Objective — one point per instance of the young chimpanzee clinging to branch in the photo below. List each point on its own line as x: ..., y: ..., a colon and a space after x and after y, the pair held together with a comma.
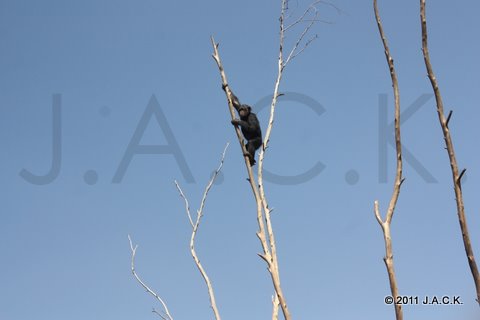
x: 250, y: 126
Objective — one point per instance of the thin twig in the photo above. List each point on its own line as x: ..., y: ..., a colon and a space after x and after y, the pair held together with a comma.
x: 195, y: 227
x: 294, y: 52
x: 388, y: 259
x: 456, y: 176
x: 448, y: 117
x: 459, y: 180
x: 302, y: 18
x: 167, y: 315
x: 155, y: 311
x: 187, y: 206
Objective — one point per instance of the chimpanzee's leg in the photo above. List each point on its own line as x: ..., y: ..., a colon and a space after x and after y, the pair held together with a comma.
x: 252, y: 146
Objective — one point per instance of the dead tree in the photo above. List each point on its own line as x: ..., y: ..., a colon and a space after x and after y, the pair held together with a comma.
x: 456, y: 174
x: 385, y: 224
x: 265, y: 232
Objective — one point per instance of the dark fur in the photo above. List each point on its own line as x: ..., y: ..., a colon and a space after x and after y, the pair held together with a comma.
x: 250, y: 126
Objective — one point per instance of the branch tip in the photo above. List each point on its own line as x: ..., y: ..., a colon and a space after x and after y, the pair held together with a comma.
x: 459, y: 180
x: 264, y: 258
x: 448, y: 118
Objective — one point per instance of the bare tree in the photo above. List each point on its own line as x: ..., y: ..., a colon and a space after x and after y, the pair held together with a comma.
x: 195, y: 223
x: 388, y: 259
x: 456, y: 174
x: 265, y: 233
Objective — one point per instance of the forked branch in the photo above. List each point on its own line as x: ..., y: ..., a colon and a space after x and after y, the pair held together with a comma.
x: 456, y: 175
x: 265, y: 232
x: 266, y: 255
x: 385, y: 225
x: 165, y: 313
x: 196, y: 225
x: 296, y: 50
x: 273, y: 266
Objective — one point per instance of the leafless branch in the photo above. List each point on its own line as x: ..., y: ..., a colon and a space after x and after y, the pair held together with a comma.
x: 195, y: 227
x: 273, y: 267
x: 303, y: 17
x: 295, y: 51
x: 456, y: 176
x: 448, y: 117
x: 166, y: 312
x: 187, y: 206
x: 261, y: 234
x: 388, y: 259
x: 216, y: 57
x: 265, y: 232
x: 155, y: 311
x: 309, y: 16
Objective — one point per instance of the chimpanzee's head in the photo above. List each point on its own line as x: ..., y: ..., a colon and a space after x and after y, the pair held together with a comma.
x: 244, y: 110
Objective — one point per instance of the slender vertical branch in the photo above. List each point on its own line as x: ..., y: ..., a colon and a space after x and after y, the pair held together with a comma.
x: 251, y: 179
x: 456, y: 176
x: 388, y: 259
x: 165, y: 315
x: 265, y: 232
x: 195, y: 227
x: 273, y: 262
x: 281, y: 65
x: 216, y: 57
x: 266, y: 255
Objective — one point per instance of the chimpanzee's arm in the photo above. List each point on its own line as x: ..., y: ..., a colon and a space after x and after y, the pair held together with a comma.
x: 243, y: 124
x: 251, y: 127
x: 236, y: 103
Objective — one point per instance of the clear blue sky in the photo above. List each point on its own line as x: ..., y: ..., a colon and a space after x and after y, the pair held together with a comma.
x: 64, y: 246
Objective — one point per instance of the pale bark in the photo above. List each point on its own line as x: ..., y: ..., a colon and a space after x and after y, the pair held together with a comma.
x: 388, y: 259
x: 195, y: 223
x: 456, y: 174
x: 266, y: 233
x: 165, y: 313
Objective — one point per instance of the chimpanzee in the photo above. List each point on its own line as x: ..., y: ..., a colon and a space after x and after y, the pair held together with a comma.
x: 250, y: 127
